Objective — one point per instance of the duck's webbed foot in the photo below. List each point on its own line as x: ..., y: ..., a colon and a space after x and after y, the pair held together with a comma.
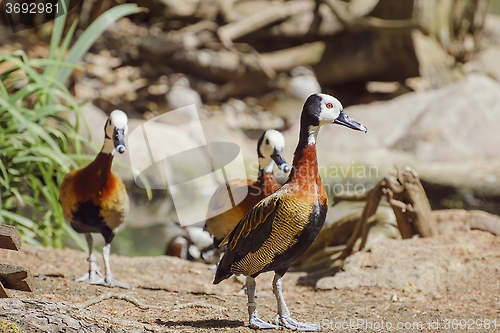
x: 283, y: 318
x: 110, y: 281
x: 256, y: 322
x: 294, y: 325
x: 92, y: 277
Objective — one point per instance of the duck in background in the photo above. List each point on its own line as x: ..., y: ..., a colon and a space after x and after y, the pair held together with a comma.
x: 223, y: 216
x: 190, y: 243
x: 281, y: 227
x: 94, y: 199
x: 181, y: 94
x: 291, y: 91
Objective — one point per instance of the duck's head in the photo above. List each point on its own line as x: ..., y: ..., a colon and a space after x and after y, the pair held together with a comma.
x: 115, y: 129
x: 320, y: 109
x: 270, y: 148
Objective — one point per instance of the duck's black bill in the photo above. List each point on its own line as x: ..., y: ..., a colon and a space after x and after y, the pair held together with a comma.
x: 344, y: 120
x: 277, y: 157
x: 119, y: 140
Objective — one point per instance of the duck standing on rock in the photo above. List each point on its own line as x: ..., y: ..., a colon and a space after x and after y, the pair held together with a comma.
x: 222, y: 216
x: 281, y: 227
x: 94, y: 199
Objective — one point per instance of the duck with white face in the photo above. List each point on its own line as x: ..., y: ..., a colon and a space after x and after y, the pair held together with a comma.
x: 94, y: 199
x: 115, y: 130
x: 280, y: 228
x: 270, y: 149
x: 328, y: 110
x: 222, y: 217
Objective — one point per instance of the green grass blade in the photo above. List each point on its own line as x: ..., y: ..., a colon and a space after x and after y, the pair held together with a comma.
x: 18, y: 197
x: 57, y: 62
x: 30, y: 158
x: 3, y: 90
x: 52, y: 70
x: 18, y: 218
x: 39, y: 131
x: 24, y: 92
x: 57, y: 31
x: 20, y: 59
x: 5, y: 175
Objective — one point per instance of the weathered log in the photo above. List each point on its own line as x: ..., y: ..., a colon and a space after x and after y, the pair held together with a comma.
x: 3, y: 293
x: 409, y: 202
x: 33, y: 315
x: 38, y: 316
x: 229, y: 32
x: 303, y: 55
x: 9, y: 238
x: 355, y: 23
x: 343, y: 41
x: 12, y: 277
x: 15, y: 277
x: 330, y: 238
x: 410, y: 205
x: 395, y: 41
x: 372, y: 201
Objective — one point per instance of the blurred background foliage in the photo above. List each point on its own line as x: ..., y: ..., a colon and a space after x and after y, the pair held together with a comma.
x: 495, y: 7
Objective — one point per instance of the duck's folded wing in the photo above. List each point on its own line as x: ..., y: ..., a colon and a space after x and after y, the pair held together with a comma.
x: 255, y: 227
x: 221, y: 201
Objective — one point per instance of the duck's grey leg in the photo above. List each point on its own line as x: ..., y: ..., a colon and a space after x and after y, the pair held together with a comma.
x: 94, y: 275
x: 255, y: 321
x: 283, y: 318
x: 109, y: 280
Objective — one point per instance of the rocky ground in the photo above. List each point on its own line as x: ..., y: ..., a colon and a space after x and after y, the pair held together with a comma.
x: 443, y: 284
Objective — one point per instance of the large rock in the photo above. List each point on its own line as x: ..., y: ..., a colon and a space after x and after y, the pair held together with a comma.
x: 426, y: 264
x: 452, y: 124
x: 458, y: 123
x: 486, y: 61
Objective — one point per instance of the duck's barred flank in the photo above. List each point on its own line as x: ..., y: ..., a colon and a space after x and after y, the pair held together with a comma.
x: 289, y: 220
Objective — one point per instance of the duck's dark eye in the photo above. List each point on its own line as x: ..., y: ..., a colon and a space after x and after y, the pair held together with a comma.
x: 329, y: 105
x: 267, y: 141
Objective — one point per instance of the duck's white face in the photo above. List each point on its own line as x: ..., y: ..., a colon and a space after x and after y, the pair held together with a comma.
x: 272, y: 140
x: 116, y: 129
x: 117, y: 119
x: 331, y: 111
x: 272, y: 146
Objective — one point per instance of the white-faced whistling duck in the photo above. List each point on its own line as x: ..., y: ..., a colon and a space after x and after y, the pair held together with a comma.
x: 94, y: 199
x: 282, y: 226
x: 223, y: 217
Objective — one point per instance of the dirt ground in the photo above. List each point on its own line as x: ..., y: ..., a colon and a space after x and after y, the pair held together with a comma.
x: 173, y: 295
